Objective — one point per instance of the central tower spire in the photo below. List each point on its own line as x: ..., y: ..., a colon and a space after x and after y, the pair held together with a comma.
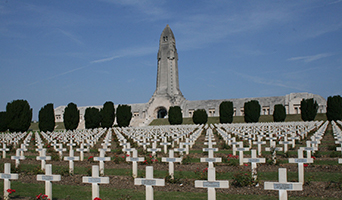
x: 167, y: 75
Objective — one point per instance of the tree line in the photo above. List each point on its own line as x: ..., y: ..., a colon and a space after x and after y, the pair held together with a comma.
x: 18, y: 114
x: 308, y: 107
x: 18, y: 117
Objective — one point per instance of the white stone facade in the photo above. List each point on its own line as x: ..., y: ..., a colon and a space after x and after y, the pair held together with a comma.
x: 168, y: 94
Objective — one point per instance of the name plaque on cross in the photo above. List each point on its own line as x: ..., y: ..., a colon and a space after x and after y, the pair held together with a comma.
x: 301, y: 160
x: 134, y: 159
x: 5, y: 176
x: 46, y: 178
x: 210, y: 149
x: 282, y: 186
x: 211, y: 184
x: 170, y: 160
x: 254, y: 160
x: 94, y: 180
x: 148, y: 182
x: 101, y: 159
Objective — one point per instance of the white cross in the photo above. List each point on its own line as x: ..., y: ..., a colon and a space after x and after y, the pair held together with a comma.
x: 171, y: 159
x: 149, y: 181
x: 187, y: 144
x: 71, y: 144
x: 285, y: 143
x: 211, y: 184
x: 101, y: 159
x: 274, y: 150
x: 128, y: 149
x: 71, y: 158
x: 259, y: 143
x: 17, y: 158
x: 60, y: 151
x: 154, y: 149
x: 241, y: 149
x: 82, y: 150
x: 165, y: 144
x: 22, y: 149
x: 180, y: 149
x: 144, y: 143
x: 254, y: 161
x: 134, y: 159
x: 7, y: 176
x: 95, y: 179
x: 300, y: 160
x: 48, y: 177
x: 42, y: 157
x: 4, y: 149
x: 308, y: 149
x: 283, y: 186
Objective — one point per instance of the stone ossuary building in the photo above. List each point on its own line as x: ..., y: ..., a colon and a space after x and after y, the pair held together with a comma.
x: 168, y: 93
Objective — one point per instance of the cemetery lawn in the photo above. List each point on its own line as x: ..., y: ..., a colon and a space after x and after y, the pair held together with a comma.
x: 323, y: 178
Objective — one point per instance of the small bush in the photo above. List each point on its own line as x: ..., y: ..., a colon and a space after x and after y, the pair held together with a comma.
x: 186, y: 160
x: 243, y: 179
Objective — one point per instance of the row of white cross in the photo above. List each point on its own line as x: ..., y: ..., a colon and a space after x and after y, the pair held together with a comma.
x: 211, y: 183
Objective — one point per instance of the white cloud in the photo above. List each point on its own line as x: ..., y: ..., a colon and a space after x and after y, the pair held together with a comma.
x: 310, y: 58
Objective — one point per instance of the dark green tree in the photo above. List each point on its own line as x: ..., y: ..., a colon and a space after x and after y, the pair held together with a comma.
x: 334, y: 108
x: 226, y: 112
x: 252, y: 111
x: 123, y: 115
x: 71, y: 116
x: 3, y: 124
x: 46, y: 117
x: 175, y: 115
x: 92, y: 118
x: 308, y: 109
x: 200, y: 116
x: 18, y: 116
x: 279, y: 113
x: 107, y: 115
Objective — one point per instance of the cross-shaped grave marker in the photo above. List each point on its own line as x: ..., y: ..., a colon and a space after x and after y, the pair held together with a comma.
x: 285, y: 143
x: 273, y: 149
x: 43, y: 158
x: 128, y: 149
x: 254, y: 161
x: 71, y: 158
x: 48, y: 177
x: 95, y: 180
x: 211, y: 159
x: 60, y: 151
x: 4, y: 149
x: 22, y: 149
x: 101, y: 159
x: 171, y: 159
x: 308, y: 149
x: 283, y: 186
x: 211, y: 184
x: 259, y: 143
x: 300, y: 160
x: 17, y: 158
x: 7, y: 176
x: 134, y: 159
x: 71, y: 144
x: 180, y: 149
x: 165, y: 144
x: 154, y: 149
x: 241, y: 149
x: 82, y: 150
x: 149, y: 181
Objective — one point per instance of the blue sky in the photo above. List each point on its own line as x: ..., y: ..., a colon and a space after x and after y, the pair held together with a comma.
x: 92, y: 51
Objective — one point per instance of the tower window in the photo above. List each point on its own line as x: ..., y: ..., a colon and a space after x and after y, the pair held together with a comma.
x: 165, y: 38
